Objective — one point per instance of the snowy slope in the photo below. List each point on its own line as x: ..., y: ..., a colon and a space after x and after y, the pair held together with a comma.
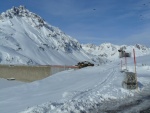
x: 110, y: 51
x: 75, y: 91
x: 25, y: 38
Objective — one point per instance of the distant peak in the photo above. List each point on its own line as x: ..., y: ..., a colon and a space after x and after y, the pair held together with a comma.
x: 21, y: 11
x: 139, y: 46
x: 107, y: 45
x: 16, y: 11
x: 21, y: 7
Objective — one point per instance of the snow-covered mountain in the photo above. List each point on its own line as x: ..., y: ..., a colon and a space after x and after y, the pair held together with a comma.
x: 110, y: 51
x: 25, y: 38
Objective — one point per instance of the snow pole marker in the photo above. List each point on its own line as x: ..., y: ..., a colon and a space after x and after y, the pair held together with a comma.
x: 121, y: 65
x: 125, y: 60
x: 134, y: 60
x: 135, y: 68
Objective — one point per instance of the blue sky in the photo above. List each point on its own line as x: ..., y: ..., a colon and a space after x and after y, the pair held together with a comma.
x: 94, y: 21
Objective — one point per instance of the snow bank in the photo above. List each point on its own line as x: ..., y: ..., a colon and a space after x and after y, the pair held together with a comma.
x: 73, y: 91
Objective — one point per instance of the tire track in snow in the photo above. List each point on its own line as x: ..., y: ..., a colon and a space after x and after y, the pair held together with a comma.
x: 139, y: 103
x: 107, y: 80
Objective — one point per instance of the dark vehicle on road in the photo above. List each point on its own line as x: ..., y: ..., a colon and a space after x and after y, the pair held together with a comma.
x: 84, y: 64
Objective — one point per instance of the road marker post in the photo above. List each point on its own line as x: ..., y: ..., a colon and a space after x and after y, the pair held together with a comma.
x: 135, y: 68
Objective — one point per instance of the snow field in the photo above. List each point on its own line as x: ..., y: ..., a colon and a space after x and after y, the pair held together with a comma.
x: 72, y: 91
x: 28, y: 39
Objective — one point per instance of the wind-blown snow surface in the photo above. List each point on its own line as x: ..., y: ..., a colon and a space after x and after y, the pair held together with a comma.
x: 75, y: 91
x: 25, y: 38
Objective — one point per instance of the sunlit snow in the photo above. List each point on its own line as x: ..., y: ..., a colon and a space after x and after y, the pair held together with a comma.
x: 74, y: 90
x: 25, y: 38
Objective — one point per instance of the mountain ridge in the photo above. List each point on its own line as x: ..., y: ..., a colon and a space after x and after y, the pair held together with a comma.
x: 27, y: 39
x: 28, y: 35
x: 110, y: 51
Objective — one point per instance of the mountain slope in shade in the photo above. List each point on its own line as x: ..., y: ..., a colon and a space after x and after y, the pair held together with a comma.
x: 110, y: 51
x: 25, y: 38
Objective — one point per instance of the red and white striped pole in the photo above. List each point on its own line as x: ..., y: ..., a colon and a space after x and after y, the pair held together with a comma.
x: 135, y: 68
x: 134, y: 60
x: 125, y: 60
